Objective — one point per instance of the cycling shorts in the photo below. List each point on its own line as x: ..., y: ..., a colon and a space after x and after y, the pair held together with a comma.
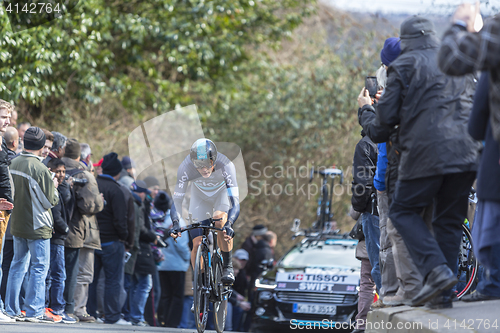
x: 200, y: 204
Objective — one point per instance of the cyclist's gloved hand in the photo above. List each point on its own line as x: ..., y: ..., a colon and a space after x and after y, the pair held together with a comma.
x: 228, y: 229
x: 176, y: 229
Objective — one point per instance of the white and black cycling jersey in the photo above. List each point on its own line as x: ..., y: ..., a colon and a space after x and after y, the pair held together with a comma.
x: 223, y: 178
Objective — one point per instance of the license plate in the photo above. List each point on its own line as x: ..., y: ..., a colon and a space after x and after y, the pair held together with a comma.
x: 314, y: 308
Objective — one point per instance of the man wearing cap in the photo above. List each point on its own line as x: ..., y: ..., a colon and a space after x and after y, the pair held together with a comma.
x: 31, y: 226
x: 240, y: 282
x: 438, y: 160
x: 98, y: 167
x: 83, y: 235
x: 113, y: 231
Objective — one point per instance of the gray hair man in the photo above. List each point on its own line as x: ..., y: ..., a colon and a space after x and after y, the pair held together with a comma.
x: 85, y: 155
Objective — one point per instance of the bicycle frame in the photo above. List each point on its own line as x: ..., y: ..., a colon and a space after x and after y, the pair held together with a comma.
x: 208, y: 273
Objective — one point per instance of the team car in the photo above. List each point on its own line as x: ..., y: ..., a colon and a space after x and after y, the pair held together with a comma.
x: 314, y: 286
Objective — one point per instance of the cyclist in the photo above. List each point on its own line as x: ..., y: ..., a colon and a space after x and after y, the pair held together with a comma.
x: 214, y: 190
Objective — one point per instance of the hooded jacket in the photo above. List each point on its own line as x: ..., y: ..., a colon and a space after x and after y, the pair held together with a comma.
x: 430, y: 108
x: 35, y: 195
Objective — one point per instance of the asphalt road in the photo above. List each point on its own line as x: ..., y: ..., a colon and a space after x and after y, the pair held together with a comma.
x: 21, y: 327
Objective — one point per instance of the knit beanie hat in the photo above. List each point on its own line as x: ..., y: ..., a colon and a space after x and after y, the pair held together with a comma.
x: 127, y: 163
x: 391, y: 50
x: 111, y: 165
x: 34, y: 138
x: 259, y: 230
x: 162, y: 201
x: 72, y: 149
x: 151, y: 181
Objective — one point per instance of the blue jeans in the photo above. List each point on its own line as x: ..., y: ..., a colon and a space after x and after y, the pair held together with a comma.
x: 187, y: 320
x: 111, y: 260
x: 127, y: 285
x: 141, y: 286
x: 34, y: 254
x: 57, y: 278
x: 372, y: 236
x: 489, y: 280
x: 237, y: 318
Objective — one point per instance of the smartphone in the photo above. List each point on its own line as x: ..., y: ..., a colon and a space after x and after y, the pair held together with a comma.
x: 127, y: 256
x: 53, y: 174
x: 371, y: 85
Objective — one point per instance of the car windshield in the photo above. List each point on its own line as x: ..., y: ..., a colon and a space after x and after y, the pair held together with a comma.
x: 321, y: 255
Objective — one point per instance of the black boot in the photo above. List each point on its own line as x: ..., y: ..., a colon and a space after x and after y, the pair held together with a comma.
x: 227, y: 273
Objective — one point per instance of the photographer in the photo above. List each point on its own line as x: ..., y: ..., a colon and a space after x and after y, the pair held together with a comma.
x: 83, y: 235
x: 401, y: 280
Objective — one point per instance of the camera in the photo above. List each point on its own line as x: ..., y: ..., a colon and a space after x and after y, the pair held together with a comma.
x: 77, y: 181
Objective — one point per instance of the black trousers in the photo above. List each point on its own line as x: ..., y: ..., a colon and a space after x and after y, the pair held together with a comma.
x: 450, y: 194
x: 8, y: 254
x: 71, y: 256
x: 172, y: 298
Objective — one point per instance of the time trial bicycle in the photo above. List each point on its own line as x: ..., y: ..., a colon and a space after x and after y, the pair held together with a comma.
x: 207, y: 284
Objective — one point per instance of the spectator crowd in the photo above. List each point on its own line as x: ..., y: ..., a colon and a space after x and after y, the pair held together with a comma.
x: 429, y: 132
x: 84, y: 241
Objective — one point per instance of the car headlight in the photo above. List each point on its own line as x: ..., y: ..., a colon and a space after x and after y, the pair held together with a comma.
x: 260, y: 311
x: 262, y: 285
x: 265, y: 296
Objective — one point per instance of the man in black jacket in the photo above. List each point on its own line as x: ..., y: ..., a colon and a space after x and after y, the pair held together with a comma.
x: 5, y: 188
x: 113, y: 231
x: 56, y: 279
x: 438, y: 157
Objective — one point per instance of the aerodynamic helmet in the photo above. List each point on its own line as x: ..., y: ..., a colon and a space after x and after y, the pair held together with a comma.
x: 203, y: 153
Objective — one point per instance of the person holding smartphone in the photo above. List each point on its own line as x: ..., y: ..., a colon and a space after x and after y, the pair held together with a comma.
x: 438, y: 160
x: 398, y: 286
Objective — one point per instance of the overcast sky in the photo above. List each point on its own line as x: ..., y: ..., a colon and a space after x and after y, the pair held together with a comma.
x: 446, y: 7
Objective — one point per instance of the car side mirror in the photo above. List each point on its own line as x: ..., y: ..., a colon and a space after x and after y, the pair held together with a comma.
x: 267, y: 264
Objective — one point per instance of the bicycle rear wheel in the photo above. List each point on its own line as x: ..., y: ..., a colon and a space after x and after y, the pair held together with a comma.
x: 220, y: 306
x: 467, y: 264
x: 200, y: 288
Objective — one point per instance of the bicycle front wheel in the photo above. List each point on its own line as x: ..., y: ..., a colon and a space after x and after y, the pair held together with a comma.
x: 200, y: 288
x: 467, y: 264
x: 220, y: 305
